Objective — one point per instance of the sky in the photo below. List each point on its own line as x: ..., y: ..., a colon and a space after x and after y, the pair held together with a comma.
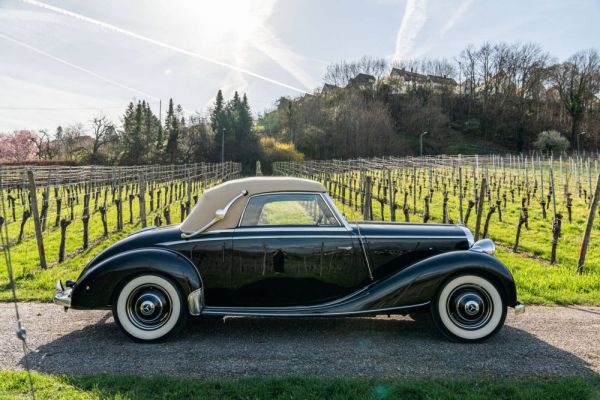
x: 66, y: 61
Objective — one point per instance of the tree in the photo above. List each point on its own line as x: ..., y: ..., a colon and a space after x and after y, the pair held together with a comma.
x: 577, y: 81
x: 551, y: 142
x: 18, y: 146
x: 217, y: 123
x: 103, y: 132
x: 172, y: 126
x: 340, y: 73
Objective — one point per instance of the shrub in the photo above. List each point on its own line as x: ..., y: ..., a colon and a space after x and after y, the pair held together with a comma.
x: 274, y: 150
x: 551, y: 142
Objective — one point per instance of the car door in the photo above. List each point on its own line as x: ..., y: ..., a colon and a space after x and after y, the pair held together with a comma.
x: 291, y: 250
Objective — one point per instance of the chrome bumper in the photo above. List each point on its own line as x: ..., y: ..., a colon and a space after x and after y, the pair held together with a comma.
x: 62, y: 297
x: 519, y: 308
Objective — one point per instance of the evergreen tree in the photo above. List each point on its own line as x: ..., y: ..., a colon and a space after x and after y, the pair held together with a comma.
x: 218, y: 123
x: 172, y: 133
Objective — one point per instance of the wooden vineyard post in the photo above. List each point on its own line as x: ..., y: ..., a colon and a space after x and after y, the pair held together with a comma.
x: 414, y: 189
x: 588, y: 227
x: 64, y: 223
x: 392, y: 197
x: 460, y: 193
x: 36, y: 220
x: 480, y: 207
x: 142, y: 198
x: 367, y: 215
x: 556, y: 221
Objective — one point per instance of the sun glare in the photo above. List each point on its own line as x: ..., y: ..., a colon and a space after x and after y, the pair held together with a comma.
x: 235, y: 21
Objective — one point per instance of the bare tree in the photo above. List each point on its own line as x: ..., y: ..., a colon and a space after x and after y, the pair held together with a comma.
x: 104, y: 132
x: 340, y: 73
x: 577, y: 81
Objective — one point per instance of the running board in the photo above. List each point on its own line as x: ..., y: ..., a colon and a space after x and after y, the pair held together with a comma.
x: 302, y: 311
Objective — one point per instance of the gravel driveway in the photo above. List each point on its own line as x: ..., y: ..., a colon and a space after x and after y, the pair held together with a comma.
x: 543, y: 341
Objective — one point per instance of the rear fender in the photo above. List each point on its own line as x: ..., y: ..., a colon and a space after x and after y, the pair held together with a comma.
x: 95, y: 288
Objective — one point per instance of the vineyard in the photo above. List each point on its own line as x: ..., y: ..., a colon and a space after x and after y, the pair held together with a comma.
x: 55, y: 219
x: 535, y: 209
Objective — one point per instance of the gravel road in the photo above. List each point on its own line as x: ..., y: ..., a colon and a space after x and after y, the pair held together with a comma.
x: 543, y: 341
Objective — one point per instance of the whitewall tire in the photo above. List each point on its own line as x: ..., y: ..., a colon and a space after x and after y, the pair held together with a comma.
x: 469, y: 308
x: 149, y: 308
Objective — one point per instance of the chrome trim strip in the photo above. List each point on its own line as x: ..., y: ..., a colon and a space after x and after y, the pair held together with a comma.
x: 300, y: 236
x: 364, y: 249
x: 412, y: 237
x: 290, y: 237
x: 195, y: 302
x: 276, y: 313
x: 287, y: 228
x: 336, y: 211
x: 288, y: 192
x: 219, y: 215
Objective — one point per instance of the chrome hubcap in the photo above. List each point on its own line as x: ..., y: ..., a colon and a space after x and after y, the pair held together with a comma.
x: 149, y: 307
x: 469, y: 306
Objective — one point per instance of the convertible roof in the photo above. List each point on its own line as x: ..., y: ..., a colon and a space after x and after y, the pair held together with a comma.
x: 218, y: 197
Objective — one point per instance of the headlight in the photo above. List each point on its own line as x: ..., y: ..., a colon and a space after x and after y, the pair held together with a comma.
x: 484, y: 246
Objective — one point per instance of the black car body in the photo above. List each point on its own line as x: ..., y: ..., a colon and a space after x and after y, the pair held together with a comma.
x: 236, y: 264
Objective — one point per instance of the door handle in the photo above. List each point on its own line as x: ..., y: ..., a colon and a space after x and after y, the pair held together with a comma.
x: 347, y: 248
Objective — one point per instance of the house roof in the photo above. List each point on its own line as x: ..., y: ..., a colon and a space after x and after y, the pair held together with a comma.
x: 409, y: 76
x: 442, y: 80
x: 362, y: 79
x: 328, y: 86
x: 219, y: 196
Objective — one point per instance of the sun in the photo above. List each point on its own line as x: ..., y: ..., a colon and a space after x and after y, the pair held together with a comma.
x: 233, y: 21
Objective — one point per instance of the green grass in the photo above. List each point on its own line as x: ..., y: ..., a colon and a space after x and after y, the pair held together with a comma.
x: 538, y: 282
x: 15, y: 385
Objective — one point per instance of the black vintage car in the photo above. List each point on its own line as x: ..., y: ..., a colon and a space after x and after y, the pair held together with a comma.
x: 280, y: 247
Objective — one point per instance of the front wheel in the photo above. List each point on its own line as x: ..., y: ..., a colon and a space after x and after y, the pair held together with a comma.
x: 149, y: 308
x: 469, y: 308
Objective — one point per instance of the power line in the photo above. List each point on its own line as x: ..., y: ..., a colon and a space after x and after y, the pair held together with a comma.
x: 62, y: 108
x: 160, y: 44
x: 77, y: 67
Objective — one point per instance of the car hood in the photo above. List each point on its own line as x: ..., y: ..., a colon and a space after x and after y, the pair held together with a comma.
x: 412, y: 230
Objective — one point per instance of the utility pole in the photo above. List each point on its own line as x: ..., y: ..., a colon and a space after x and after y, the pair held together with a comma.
x: 223, y: 145
x: 579, y: 134
x: 422, y: 134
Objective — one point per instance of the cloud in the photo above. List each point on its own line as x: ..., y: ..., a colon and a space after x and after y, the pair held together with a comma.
x: 413, y: 20
x: 456, y: 15
x: 159, y: 43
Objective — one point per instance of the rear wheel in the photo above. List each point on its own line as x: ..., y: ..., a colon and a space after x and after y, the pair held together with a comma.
x: 149, y: 308
x: 469, y: 308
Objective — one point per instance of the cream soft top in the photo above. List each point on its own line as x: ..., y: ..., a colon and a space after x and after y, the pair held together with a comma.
x: 218, y: 197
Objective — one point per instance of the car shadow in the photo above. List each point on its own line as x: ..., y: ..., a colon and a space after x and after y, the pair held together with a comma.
x: 324, y: 347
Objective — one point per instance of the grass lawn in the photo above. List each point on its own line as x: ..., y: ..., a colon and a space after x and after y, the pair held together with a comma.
x: 538, y: 282
x: 16, y: 385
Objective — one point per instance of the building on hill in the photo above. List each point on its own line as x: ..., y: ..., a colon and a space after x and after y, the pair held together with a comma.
x: 444, y: 82
x: 328, y: 88
x: 362, y: 81
x: 405, y: 80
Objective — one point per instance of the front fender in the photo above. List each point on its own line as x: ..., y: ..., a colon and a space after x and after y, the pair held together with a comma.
x: 420, y: 282
x: 95, y: 288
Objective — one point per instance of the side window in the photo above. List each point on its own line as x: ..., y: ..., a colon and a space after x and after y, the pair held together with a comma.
x: 288, y: 209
